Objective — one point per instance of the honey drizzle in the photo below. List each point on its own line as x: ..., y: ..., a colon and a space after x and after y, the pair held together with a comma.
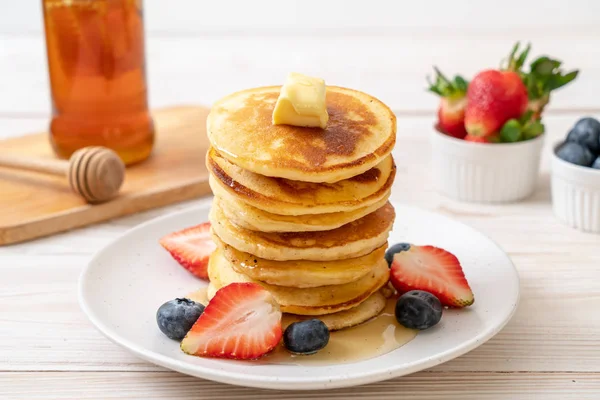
x: 378, y: 336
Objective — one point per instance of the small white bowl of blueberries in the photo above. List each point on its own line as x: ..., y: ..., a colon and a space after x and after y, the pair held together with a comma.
x: 576, y: 177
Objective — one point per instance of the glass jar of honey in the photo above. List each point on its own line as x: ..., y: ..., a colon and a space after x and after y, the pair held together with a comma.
x: 96, y: 63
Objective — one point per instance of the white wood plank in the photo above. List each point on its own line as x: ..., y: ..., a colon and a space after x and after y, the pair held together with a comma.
x: 393, y: 68
x: 15, y: 126
x: 333, y: 16
x: 422, y: 386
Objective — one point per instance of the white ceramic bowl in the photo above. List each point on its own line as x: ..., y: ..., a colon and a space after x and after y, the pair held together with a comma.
x: 576, y: 194
x: 482, y: 172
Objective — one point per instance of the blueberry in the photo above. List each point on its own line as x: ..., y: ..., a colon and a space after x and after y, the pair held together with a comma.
x: 306, y: 337
x: 596, y: 163
x: 397, y: 248
x: 575, y: 154
x: 587, y: 133
x: 176, y: 317
x: 418, y: 310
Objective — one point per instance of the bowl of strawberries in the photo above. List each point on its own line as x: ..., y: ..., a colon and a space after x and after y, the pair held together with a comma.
x: 487, y: 142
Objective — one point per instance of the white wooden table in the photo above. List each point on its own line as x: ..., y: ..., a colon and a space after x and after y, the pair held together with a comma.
x: 199, y: 51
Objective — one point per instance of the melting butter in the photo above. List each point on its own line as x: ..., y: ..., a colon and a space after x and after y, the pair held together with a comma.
x: 302, y: 102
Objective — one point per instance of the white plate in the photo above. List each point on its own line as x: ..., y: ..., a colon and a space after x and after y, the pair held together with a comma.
x: 125, y: 283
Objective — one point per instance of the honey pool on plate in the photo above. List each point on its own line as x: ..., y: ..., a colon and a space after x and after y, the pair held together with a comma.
x: 373, y: 338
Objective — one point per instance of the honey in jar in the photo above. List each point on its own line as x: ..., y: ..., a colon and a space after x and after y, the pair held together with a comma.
x: 96, y: 63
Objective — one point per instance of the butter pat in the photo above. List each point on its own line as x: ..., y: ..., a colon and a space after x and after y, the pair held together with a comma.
x: 301, y: 102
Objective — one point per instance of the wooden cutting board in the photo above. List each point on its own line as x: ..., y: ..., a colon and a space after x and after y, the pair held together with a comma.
x: 34, y: 205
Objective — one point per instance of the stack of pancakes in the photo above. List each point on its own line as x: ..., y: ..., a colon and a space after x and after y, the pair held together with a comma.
x: 303, y: 211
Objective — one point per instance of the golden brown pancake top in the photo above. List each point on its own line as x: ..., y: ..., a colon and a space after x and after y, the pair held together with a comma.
x: 314, y: 144
x: 361, y: 130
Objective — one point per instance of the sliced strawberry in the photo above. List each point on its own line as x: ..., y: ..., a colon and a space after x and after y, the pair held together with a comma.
x: 242, y: 322
x: 433, y: 270
x: 191, y: 248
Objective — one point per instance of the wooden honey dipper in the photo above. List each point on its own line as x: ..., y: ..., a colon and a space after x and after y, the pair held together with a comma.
x: 95, y: 173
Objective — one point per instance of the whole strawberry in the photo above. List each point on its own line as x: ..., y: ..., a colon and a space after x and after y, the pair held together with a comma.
x: 494, y: 97
x: 451, y: 112
x: 544, y: 76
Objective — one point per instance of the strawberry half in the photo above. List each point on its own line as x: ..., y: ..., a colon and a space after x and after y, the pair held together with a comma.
x: 242, y: 322
x: 191, y: 248
x: 433, y: 270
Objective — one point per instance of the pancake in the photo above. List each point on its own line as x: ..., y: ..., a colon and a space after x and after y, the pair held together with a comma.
x: 361, y: 132
x: 307, y: 301
x: 355, y: 239
x: 287, y: 197
x: 248, y: 217
x: 301, y: 273
x: 366, y: 310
